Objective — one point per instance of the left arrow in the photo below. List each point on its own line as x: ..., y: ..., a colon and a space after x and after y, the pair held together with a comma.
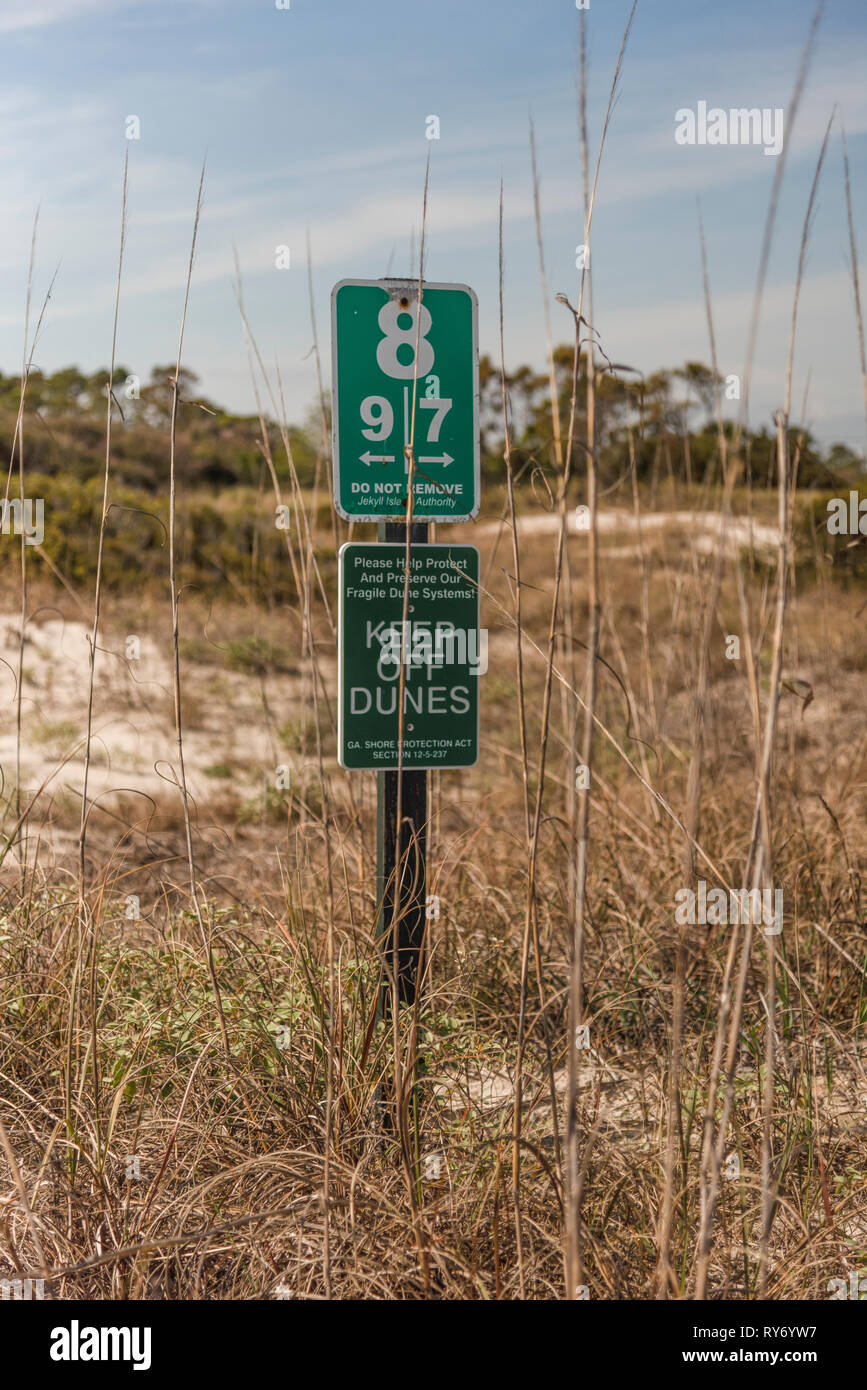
x: 370, y: 458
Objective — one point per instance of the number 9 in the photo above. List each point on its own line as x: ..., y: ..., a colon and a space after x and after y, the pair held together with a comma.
x: 376, y: 411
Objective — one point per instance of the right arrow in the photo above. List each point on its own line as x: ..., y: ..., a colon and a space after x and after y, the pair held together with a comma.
x: 444, y: 459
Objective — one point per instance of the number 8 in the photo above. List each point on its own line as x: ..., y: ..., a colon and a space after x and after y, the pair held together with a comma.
x: 395, y: 337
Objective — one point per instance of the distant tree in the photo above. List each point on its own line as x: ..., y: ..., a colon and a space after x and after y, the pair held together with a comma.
x: 93, y: 389
x: 842, y: 459
x: 220, y: 449
x: 701, y: 383
x: 158, y: 395
x: 64, y: 391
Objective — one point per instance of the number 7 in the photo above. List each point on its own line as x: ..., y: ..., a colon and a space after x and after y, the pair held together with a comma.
x: 442, y: 408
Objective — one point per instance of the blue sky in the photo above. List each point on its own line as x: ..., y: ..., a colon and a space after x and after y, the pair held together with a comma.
x: 313, y: 118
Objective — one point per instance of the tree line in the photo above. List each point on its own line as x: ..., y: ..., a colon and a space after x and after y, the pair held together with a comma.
x: 664, y: 424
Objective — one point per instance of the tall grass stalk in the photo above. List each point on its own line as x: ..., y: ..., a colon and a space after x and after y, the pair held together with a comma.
x: 176, y: 660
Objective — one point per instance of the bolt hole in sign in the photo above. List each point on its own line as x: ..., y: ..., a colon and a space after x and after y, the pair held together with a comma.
x: 389, y: 350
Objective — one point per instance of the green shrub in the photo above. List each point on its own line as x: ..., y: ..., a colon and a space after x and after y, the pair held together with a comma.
x: 844, y: 556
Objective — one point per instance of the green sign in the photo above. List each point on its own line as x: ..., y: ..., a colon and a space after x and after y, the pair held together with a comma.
x: 442, y: 650
x: 376, y: 328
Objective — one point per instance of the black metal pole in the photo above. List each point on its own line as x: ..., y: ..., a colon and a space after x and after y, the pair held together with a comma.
x: 401, y: 868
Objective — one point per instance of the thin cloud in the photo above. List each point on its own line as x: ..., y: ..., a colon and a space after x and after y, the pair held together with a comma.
x: 15, y: 16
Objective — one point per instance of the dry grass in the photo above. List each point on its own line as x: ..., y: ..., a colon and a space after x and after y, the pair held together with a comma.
x: 199, y: 1097
x: 229, y: 1202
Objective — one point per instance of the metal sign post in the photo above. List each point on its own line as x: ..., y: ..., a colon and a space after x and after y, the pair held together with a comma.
x: 408, y: 859
x: 405, y: 374
x: 443, y: 655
